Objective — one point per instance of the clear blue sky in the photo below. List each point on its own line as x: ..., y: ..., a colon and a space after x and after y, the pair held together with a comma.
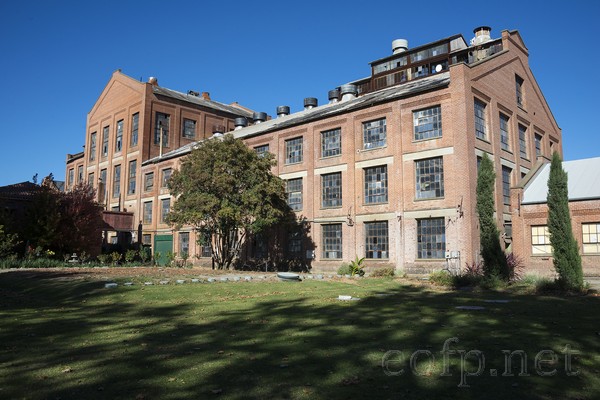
x: 57, y: 56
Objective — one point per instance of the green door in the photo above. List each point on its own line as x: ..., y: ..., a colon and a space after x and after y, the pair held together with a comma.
x: 163, y: 244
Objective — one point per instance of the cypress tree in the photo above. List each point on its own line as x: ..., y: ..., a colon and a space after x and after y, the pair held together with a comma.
x: 494, y: 260
x: 567, y: 260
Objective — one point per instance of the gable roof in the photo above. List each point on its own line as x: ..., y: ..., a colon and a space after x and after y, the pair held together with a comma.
x: 215, y: 105
x: 19, y: 191
x: 583, y: 184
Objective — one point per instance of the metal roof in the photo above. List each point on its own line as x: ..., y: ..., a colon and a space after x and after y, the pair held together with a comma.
x: 215, y: 105
x: 326, y: 110
x: 583, y: 184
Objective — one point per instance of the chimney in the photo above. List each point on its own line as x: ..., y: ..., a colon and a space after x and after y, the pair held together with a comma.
x: 240, y: 122
x: 333, y: 96
x: 399, y: 46
x: 153, y: 81
x: 348, y: 91
x: 206, y: 95
x: 310, y: 102
x: 282, y: 111
x: 218, y: 130
x: 259, y: 117
x: 482, y: 35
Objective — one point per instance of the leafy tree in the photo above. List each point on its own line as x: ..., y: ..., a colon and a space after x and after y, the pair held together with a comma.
x: 8, y: 241
x: 225, y: 189
x: 494, y: 260
x: 567, y: 260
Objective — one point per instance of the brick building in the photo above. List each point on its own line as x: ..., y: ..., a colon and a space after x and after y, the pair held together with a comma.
x: 531, y: 239
x: 387, y: 169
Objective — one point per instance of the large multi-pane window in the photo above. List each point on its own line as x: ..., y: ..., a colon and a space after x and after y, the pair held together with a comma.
x: 504, y: 132
x: 148, y: 181
x: 93, y: 146
x: 331, y: 185
x: 189, y: 128
x: 262, y: 150
x: 374, y: 134
x: 431, y: 238
x: 102, y: 189
x: 429, y: 175
x: 80, y: 174
x: 591, y: 238
x: 480, y: 120
x: 523, y: 141
x: 519, y: 89
x: 538, y: 145
x: 428, y: 123
x: 506, y: 172
x: 135, y: 126
x: 162, y: 125
x: 117, y: 182
x: 166, y: 175
x: 147, y: 214
x: 132, y: 176
x: 205, y: 243
x: 540, y: 240
x: 184, y: 243
x: 331, y: 142
x: 71, y: 179
x: 376, y: 185
x: 332, y: 241
x: 105, y: 141
x: 293, y: 151
x: 165, y: 208
x: 376, y: 239
x: 293, y: 190
x: 91, y: 179
x: 119, y: 139
x: 294, y: 243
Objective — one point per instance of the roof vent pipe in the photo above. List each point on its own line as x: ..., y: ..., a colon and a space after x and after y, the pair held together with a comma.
x: 218, y: 130
x: 259, y: 117
x: 310, y: 102
x: 333, y: 96
x: 240, y: 122
x: 348, y: 91
x: 399, y: 46
x: 153, y: 81
x: 482, y: 35
x: 282, y: 111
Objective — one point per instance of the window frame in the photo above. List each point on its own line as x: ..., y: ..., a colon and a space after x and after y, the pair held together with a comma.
x: 376, y: 185
x: 590, y: 238
x: 185, y: 132
x: 519, y: 82
x: 331, y: 190
x: 523, y: 141
x: 135, y: 126
x: 540, y: 241
x: 371, y: 138
x: 432, y: 116
x: 294, y: 150
x: 480, y: 116
x: 504, y: 132
x: 294, y: 193
x: 331, y: 143
x: 332, y: 241
x: 377, y: 240
x: 93, y: 144
x: 164, y: 211
x: 119, y: 137
x: 105, y: 133
x: 165, y: 175
x: 428, y: 252
x: 184, y: 244
x: 116, y: 189
x: 261, y: 149
x: 131, y: 180
x: 159, y: 119
x: 422, y: 178
x: 147, y: 212
x: 506, y: 184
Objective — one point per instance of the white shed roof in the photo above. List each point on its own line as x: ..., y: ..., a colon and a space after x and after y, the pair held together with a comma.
x: 584, y: 181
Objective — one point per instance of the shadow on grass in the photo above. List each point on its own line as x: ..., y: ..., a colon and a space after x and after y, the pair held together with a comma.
x: 71, y: 340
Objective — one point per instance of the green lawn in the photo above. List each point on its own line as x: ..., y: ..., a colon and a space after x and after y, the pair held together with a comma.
x: 66, y: 339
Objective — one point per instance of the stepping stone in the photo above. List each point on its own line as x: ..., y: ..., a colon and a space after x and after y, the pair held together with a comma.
x: 236, y: 278
x: 163, y: 282
x: 470, y: 308
x: 288, y: 276
x: 148, y: 283
x: 348, y: 298
x: 319, y: 277
x: 128, y: 284
x: 247, y: 278
x: 180, y: 281
x: 223, y: 279
x: 195, y: 280
x: 211, y: 280
x: 110, y: 285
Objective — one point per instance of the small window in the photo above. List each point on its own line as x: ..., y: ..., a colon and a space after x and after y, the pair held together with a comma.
x: 429, y: 178
x: 166, y: 175
x: 293, y: 151
x: 431, y: 238
x: 148, y: 181
x: 189, y: 128
x: 102, y: 186
x: 294, y: 244
x: 376, y: 185
x: 147, y: 215
x: 147, y: 239
x: 540, y: 240
x: 205, y: 242
x: 293, y: 189
x: 523, y: 141
x: 135, y: 124
x: 184, y: 244
x: 119, y: 140
x: 80, y: 174
x: 331, y: 186
x: 428, y: 123
x: 332, y: 241
x: 71, y: 177
x: 262, y: 149
x: 91, y: 179
x: 480, y: 120
x: 331, y: 143
x: 591, y: 238
x: 93, y: 146
x: 132, y: 175
x: 162, y: 125
x: 506, y: 172
x: 105, y: 141
x: 504, y: 132
x: 538, y: 145
x: 117, y: 182
x: 519, y: 89
x: 165, y: 208
x: 374, y: 134
x: 376, y: 239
